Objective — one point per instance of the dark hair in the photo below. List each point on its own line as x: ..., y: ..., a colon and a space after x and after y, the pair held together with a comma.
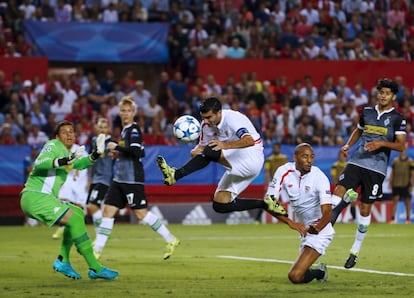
x: 300, y: 146
x: 60, y: 124
x: 210, y: 104
x: 387, y: 83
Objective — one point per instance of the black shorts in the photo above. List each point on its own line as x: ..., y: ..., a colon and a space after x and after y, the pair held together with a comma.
x: 402, y: 192
x: 122, y: 194
x: 370, y: 182
x: 97, y: 194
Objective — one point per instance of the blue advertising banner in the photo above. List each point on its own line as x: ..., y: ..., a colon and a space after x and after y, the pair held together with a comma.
x: 12, y: 162
x: 99, y: 42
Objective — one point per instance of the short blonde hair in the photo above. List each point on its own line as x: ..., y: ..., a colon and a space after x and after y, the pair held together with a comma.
x: 127, y: 100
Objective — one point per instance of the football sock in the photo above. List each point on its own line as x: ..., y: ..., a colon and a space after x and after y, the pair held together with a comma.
x: 196, y: 163
x: 311, y: 274
x: 154, y: 222
x: 353, y: 212
x: 67, y: 243
x: 97, y: 218
x: 337, y: 210
x: 77, y: 229
x: 335, y: 200
x: 362, y: 229
x: 104, y: 231
x: 238, y: 205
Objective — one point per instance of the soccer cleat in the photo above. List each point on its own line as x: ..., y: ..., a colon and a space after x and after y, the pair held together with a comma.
x: 58, y: 233
x: 407, y: 221
x: 324, y: 269
x: 66, y: 269
x: 170, y: 248
x: 104, y: 274
x: 166, y: 170
x: 351, y: 261
x: 274, y: 208
x: 350, y: 196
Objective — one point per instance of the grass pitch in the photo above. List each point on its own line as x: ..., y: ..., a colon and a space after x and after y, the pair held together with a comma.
x: 212, y: 261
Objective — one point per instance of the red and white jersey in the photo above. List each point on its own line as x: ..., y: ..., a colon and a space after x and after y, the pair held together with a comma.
x: 305, y: 193
x: 233, y: 126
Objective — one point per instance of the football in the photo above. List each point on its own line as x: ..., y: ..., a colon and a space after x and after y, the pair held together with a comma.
x: 187, y: 129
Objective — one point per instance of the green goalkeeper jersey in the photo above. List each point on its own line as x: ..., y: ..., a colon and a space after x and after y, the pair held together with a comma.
x: 45, y: 178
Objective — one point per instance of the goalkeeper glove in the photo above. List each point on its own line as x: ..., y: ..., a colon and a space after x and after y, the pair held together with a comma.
x: 64, y: 161
x: 100, y: 147
x: 100, y: 143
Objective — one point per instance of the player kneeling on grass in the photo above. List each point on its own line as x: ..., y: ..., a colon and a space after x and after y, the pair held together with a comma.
x: 39, y: 199
x: 307, y: 189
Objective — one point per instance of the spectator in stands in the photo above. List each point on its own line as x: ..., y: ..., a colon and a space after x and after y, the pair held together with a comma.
x: 176, y: 90
x: 38, y: 117
x: 96, y: 95
x: 140, y: 95
x: 28, y: 95
x: 28, y: 9
x: 47, y: 11
x: 138, y: 12
x: 108, y: 81
x: 235, y: 51
x: 110, y: 13
x: 312, y: 15
x: 59, y: 108
x: 6, y: 137
x: 63, y: 12
x: 36, y: 137
x: 219, y: 47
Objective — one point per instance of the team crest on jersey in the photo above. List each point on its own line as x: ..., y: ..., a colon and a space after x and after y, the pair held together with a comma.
x: 307, y: 188
x: 387, y: 121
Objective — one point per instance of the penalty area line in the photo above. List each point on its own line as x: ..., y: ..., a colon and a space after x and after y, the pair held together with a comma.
x: 333, y: 267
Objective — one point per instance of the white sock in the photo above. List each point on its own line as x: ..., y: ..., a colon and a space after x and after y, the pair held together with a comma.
x: 154, y: 222
x: 362, y: 229
x: 335, y: 200
x: 97, y: 217
x: 104, y: 231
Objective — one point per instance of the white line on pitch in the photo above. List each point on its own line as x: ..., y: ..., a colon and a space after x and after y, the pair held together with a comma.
x: 334, y: 267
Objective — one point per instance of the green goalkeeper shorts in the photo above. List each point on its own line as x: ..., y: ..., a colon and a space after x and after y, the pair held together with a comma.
x: 45, y: 208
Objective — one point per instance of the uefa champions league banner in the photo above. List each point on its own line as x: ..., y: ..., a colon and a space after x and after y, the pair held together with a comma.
x: 12, y: 163
x: 99, y: 42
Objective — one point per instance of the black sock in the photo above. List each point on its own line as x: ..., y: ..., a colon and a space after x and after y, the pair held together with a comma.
x: 238, y: 205
x: 310, y: 274
x: 337, y: 210
x: 353, y: 212
x: 196, y: 163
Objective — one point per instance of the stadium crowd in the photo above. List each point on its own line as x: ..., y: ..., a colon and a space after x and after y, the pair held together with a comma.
x: 282, y: 112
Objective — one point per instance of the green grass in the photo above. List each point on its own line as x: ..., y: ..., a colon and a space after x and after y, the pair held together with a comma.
x: 196, y: 270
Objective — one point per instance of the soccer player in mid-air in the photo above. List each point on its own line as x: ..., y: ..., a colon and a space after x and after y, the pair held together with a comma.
x: 39, y: 199
x: 380, y: 130
x: 127, y: 186
x: 229, y: 138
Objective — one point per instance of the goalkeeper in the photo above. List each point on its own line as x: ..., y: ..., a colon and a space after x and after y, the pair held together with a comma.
x: 39, y: 199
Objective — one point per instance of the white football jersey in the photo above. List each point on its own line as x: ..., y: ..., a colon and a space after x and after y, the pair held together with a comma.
x: 305, y: 193
x: 233, y: 126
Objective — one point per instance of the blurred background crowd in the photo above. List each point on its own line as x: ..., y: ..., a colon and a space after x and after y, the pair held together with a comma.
x: 288, y: 113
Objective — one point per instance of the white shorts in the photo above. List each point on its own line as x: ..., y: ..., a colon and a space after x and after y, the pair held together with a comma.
x: 319, y: 242
x: 246, y: 165
x: 74, y: 191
